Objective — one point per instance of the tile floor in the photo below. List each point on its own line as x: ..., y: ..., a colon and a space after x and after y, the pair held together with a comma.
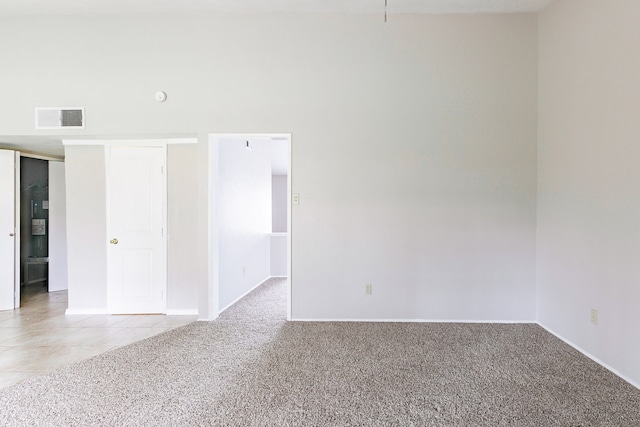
x: 39, y: 338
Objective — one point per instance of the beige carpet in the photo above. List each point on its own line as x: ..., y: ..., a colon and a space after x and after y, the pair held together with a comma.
x: 251, y: 368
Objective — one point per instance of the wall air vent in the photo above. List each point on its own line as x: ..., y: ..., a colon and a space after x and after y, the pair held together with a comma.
x: 60, y: 118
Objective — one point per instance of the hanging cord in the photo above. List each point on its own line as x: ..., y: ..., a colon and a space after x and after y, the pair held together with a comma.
x: 385, y: 10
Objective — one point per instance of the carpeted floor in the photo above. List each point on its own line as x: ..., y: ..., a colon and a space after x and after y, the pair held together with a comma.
x: 252, y: 368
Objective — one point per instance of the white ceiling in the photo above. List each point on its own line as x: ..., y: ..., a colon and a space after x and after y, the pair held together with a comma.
x: 46, y: 146
x: 66, y: 7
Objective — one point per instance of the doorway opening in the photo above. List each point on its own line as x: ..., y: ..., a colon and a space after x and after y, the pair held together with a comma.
x: 42, y: 219
x: 34, y: 226
x: 250, y: 215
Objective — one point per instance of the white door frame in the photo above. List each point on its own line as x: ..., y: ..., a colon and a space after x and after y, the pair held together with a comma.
x: 214, y: 251
x: 17, y: 236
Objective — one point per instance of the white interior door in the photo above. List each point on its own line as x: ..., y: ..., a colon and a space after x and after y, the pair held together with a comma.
x: 136, y: 205
x: 9, y: 237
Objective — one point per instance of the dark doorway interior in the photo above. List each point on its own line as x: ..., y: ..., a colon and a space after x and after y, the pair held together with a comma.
x: 34, y: 225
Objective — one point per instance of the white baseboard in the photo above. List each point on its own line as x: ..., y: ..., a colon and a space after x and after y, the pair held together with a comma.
x: 91, y: 311
x: 187, y: 312
x: 417, y: 321
x: 590, y: 356
x: 244, y: 295
x: 73, y: 312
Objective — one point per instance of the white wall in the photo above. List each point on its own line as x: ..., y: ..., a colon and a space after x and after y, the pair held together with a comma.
x: 58, y: 277
x: 414, y: 141
x: 424, y: 186
x: 588, y: 175
x: 244, y: 218
x: 182, y: 272
x: 278, y: 256
x: 279, y: 203
x: 86, y: 228
x: 278, y: 244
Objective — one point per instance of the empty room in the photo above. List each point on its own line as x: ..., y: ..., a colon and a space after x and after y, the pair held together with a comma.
x: 449, y: 236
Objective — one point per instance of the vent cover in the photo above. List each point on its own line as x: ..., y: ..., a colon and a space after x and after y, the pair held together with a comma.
x: 60, y: 118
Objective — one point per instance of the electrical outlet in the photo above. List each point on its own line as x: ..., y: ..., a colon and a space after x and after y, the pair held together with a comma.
x: 244, y: 270
x: 295, y: 198
x: 368, y: 289
x: 594, y: 317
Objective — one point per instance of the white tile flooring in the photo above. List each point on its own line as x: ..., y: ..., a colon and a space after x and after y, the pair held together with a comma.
x: 39, y: 338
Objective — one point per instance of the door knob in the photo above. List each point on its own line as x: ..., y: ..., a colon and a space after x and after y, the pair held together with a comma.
x: 11, y: 234
x: 113, y: 241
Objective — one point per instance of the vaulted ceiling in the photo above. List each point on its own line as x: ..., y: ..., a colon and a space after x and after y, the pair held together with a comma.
x: 65, y: 7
